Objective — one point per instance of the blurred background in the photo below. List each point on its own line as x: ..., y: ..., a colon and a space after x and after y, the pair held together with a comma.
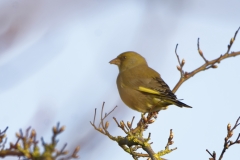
x: 54, y: 68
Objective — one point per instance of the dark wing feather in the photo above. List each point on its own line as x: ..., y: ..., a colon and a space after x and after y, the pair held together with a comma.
x: 158, y: 84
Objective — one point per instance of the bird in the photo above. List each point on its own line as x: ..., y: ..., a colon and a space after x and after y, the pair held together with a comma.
x: 140, y: 87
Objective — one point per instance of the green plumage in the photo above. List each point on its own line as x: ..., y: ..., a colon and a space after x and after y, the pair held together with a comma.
x: 140, y: 87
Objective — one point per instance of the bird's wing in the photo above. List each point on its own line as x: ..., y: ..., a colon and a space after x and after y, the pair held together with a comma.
x: 152, y: 83
x: 147, y: 80
x: 157, y: 86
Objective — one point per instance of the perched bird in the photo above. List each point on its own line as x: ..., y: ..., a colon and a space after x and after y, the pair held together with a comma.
x: 140, y: 87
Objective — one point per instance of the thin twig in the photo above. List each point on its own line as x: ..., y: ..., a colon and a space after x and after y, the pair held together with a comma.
x: 232, y: 40
x: 132, y: 122
x: 200, y: 51
x: 228, y: 143
x: 94, y: 115
x: 180, y: 64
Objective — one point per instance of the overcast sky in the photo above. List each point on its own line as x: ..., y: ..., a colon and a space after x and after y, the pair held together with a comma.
x: 54, y: 68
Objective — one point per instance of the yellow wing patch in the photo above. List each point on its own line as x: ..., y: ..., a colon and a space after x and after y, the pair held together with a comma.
x: 148, y: 90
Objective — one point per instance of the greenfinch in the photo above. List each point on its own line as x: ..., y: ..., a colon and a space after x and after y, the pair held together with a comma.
x: 140, y: 87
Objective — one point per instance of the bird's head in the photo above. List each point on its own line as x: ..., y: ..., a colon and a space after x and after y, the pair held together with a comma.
x: 127, y: 60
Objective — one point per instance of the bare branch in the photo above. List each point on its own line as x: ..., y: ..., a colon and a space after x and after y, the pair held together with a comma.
x: 206, y: 65
x: 227, y: 142
x: 133, y: 140
x: 27, y: 146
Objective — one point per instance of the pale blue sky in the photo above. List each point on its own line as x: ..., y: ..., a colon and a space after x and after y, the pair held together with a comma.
x: 54, y: 68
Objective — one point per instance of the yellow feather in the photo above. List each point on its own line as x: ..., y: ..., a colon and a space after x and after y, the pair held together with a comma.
x: 148, y: 90
x: 156, y: 100
x: 149, y: 105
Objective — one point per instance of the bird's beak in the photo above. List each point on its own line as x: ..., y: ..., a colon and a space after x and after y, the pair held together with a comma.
x: 115, y: 61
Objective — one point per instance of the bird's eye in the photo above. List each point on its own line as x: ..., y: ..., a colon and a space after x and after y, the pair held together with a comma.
x: 123, y: 58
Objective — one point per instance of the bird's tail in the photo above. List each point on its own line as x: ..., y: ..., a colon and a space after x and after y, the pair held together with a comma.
x: 181, y: 104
